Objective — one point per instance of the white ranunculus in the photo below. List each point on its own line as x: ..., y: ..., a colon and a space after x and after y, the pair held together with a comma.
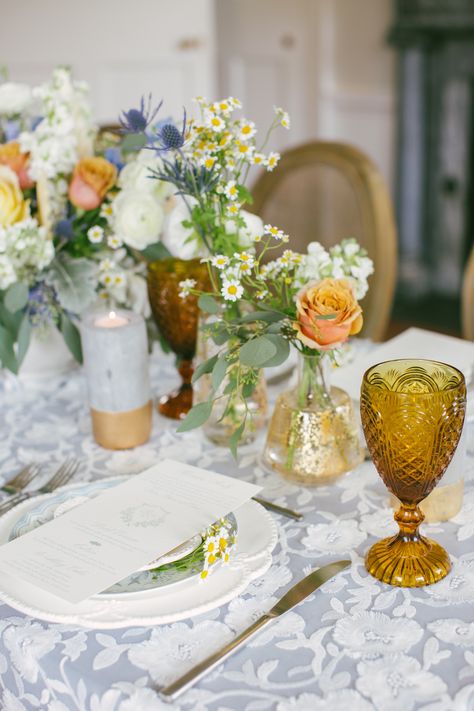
x: 137, y: 175
x: 138, y: 218
x: 14, y: 98
x: 182, y: 242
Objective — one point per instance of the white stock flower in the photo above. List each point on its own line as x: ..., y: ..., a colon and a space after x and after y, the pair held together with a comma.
x: 15, y: 98
x: 138, y: 218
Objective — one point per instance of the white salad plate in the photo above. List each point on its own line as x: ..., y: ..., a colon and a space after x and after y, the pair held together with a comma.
x: 256, y: 538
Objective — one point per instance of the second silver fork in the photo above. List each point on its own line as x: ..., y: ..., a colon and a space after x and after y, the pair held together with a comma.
x: 65, y: 472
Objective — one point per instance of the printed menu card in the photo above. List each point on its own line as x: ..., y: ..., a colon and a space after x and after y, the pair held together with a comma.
x: 96, y: 544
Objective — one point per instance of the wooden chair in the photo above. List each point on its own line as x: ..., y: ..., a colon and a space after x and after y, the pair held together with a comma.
x: 325, y: 192
x: 467, y: 304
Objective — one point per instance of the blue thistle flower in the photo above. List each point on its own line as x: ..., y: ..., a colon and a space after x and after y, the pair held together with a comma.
x: 63, y: 228
x: 169, y: 137
x: 138, y: 120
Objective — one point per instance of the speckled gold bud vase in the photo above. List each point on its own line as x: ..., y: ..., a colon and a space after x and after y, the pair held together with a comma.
x: 313, y: 435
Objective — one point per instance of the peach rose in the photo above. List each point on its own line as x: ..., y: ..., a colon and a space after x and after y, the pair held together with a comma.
x: 11, y: 156
x: 13, y: 206
x: 324, y: 298
x: 91, y: 179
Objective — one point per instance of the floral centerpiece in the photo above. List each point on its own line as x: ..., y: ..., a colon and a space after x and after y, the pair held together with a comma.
x: 309, y: 302
x: 76, y: 218
x: 206, y: 161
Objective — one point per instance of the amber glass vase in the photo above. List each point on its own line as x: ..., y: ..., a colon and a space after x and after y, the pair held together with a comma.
x: 177, y: 319
x: 412, y: 414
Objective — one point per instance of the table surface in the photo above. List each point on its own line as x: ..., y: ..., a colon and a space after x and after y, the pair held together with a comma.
x: 355, y: 643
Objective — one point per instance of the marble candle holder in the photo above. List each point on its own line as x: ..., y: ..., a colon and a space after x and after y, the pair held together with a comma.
x: 116, y: 365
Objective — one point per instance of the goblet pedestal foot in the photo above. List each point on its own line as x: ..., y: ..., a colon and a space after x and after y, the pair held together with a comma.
x: 177, y: 403
x: 408, y: 563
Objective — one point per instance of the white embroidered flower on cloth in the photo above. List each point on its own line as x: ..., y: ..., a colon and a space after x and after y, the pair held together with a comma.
x: 398, y: 682
x: 173, y: 649
x: 28, y: 642
x: 465, y: 518
x: 380, y: 523
x: 335, y: 537
x: 344, y: 700
x: 453, y: 631
x: 457, y: 587
x: 370, y: 634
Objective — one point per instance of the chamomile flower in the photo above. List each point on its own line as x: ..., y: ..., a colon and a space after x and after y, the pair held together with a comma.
x: 273, y: 231
x: 246, y: 130
x: 107, y: 210
x: 244, y: 149
x: 258, y: 159
x: 222, y: 106
x: 220, y: 261
x: 209, y: 162
x: 245, y: 257
x: 216, y: 123
x: 114, y: 242
x: 272, y: 161
x: 236, y: 103
x: 107, y: 279
x: 186, y: 286
x: 233, y: 208
x: 283, y: 116
x: 119, y: 279
x: 232, y: 290
x: 244, y: 268
x: 95, y: 234
x: 106, y: 265
x: 231, y: 190
x: 225, y: 139
x: 261, y: 294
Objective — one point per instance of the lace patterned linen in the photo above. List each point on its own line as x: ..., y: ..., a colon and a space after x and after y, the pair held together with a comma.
x: 355, y: 644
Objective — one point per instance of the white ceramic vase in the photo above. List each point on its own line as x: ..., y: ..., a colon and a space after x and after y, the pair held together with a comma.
x: 47, y: 356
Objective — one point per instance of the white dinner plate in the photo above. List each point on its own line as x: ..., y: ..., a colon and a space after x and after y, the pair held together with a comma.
x: 257, y: 536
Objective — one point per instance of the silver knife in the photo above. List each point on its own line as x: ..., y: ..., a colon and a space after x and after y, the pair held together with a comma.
x: 293, y: 597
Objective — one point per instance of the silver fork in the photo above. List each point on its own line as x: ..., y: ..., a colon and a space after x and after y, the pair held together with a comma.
x: 22, y: 479
x: 61, y: 477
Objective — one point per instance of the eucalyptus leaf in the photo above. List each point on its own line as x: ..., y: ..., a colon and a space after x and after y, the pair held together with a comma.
x: 247, y: 390
x: 235, y: 439
x: 10, y: 321
x: 219, y: 334
x: 23, y: 339
x: 74, y: 281
x: 218, y: 372
x: 267, y: 316
x: 133, y: 142
x: 282, y: 350
x: 256, y: 352
x: 16, y: 297
x: 71, y: 336
x: 208, y: 304
x: 196, y: 417
x: 7, y: 352
x: 156, y: 252
x: 204, y: 368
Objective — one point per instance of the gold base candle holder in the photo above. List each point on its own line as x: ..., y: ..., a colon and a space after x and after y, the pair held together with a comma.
x: 412, y: 415
x: 116, y: 359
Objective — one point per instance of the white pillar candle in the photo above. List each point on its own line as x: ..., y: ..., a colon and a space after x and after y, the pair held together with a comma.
x: 116, y: 364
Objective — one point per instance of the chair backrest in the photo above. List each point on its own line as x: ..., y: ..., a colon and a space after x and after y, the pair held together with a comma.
x: 324, y: 191
x: 467, y: 305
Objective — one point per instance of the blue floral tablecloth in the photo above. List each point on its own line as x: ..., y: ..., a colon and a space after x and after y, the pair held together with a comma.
x: 354, y: 644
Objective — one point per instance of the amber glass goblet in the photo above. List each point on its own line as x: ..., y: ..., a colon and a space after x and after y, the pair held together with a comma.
x: 412, y: 414
x: 177, y: 319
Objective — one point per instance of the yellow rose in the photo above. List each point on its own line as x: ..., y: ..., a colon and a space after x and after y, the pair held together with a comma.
x: 333, y: 297
x: 13, y: 206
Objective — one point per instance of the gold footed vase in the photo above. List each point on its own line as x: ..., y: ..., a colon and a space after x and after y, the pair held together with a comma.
x: 412, y: 415
x: 313, y: 436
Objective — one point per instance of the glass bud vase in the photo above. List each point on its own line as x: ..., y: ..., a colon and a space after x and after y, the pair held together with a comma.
x: 221, y: 425
x: 313, y: 436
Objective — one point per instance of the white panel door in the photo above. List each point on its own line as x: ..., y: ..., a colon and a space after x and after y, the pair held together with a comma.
x: 124, y: 50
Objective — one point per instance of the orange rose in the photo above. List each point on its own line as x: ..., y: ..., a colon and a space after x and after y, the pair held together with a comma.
x: 11, y: 156
x: 327, y: 297
x: 91, y: 180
